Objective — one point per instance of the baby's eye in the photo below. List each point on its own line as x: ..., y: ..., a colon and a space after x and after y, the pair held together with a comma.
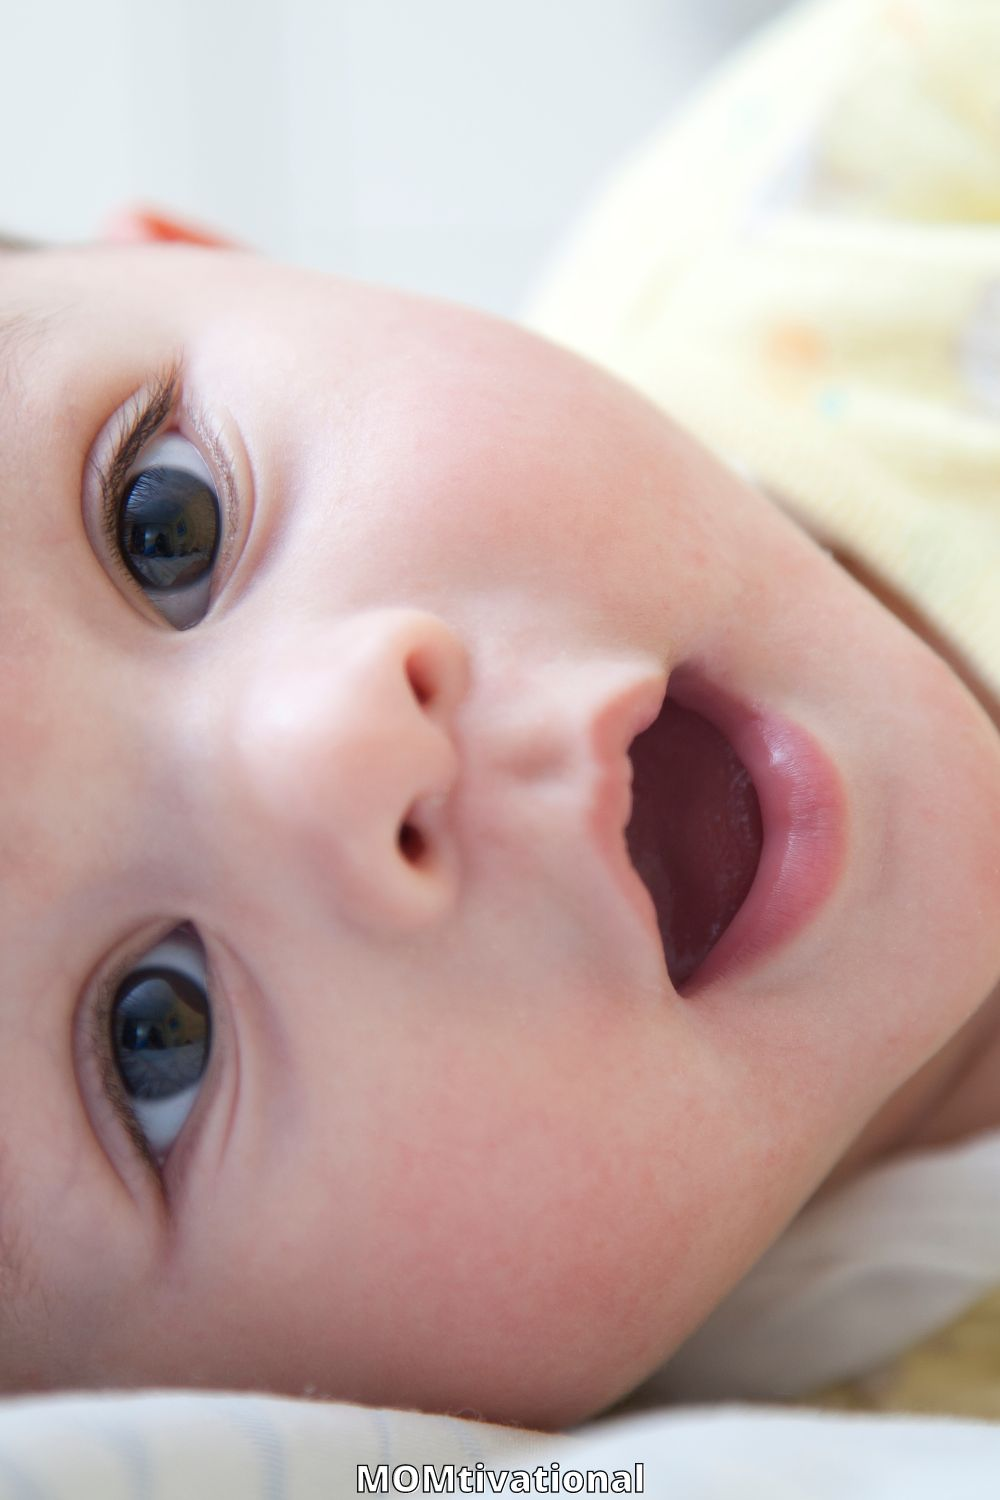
x: 160, y: 1036
x: 168, y: 524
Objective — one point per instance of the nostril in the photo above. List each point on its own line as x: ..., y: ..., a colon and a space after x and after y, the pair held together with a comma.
x: 412, y: 844
x: 437, y: 670
x: 420, y: 674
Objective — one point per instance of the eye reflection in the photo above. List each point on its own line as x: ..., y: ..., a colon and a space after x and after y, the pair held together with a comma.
x: 161, y: 1031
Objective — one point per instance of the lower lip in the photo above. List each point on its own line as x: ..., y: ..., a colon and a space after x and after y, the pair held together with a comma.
x: 804, y: 812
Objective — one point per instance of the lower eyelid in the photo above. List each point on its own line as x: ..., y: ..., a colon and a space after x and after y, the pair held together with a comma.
x: 214, y: 1109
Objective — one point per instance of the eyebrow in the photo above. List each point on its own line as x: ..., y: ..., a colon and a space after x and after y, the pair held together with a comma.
x: 21, y: 328
x: 21, y: 333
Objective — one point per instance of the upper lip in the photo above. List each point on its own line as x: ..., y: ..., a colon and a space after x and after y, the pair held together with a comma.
x: 626, y: 715
x: 610, y: 806
x: 572, y: 741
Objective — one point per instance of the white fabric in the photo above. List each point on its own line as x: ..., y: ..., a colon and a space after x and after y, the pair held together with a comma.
x: 182, y: 1446
x: 856, y: 1279
x: 886, y: 1259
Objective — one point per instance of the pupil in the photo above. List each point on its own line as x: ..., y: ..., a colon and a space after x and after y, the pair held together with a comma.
x: 160, y: 1033
x: 168, y: 527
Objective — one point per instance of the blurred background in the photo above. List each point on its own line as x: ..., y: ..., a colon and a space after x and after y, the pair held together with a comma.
x: 445, y: 146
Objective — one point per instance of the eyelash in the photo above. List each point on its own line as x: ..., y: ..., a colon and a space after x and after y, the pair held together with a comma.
x: 138, y: 425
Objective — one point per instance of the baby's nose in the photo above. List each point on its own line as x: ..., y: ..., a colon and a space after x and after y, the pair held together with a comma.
x: 344, y: 744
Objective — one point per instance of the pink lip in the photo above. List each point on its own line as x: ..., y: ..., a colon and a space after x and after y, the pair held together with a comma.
x: 611, y: 802
x: 804, y: 812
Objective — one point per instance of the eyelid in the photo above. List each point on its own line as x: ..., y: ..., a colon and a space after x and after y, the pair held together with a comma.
x: 141, y: 421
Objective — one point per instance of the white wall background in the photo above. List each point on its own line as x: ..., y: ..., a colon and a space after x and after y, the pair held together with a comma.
x: 440, y: 145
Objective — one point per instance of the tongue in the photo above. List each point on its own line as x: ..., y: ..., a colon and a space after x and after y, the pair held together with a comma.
x: 695, y: 834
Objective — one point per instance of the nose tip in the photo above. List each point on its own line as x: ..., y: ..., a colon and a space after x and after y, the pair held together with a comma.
x: 347, y: 751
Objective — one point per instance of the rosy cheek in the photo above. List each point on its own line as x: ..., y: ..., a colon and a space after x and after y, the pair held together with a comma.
x: 522, y: 1258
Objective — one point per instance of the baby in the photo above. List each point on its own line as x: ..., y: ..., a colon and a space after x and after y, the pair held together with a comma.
x: 346, y: 1054
x: 476, y: 866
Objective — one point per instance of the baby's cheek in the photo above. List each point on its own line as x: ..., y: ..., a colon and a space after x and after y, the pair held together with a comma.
x: 525, y: 1263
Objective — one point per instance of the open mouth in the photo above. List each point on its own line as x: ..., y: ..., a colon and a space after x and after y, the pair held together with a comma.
x: 695, y: 835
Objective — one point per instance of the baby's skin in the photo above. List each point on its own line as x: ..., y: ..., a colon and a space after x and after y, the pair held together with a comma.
x: 455, y: 1140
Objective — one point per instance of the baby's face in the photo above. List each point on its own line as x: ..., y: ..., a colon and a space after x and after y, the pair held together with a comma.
x: 456, y: 1139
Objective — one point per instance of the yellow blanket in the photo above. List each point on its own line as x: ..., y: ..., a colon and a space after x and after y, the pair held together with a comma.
x: 804, y: 268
